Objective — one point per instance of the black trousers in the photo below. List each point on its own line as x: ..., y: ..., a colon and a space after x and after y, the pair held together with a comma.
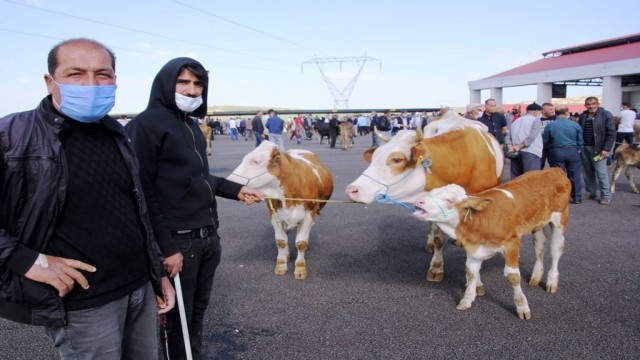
x: 200, y: 260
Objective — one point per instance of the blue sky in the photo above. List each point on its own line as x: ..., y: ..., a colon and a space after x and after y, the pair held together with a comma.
x: 254, y: 49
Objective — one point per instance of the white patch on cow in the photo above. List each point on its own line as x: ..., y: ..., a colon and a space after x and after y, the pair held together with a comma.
x: 297, y: 154
x: 486, y: 252
x: 495, y: 149
x: 555, y: 218
x: 509, y: 270
x: 506, y: 193
x: 451, y: 122
x: 292, y: 216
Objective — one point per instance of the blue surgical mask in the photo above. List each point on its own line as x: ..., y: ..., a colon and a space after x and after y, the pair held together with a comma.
x: 86, y: 104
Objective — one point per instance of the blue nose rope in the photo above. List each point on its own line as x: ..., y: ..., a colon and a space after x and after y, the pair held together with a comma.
x: 384, y: 199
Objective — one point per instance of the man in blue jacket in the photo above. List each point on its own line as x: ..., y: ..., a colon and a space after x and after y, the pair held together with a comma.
x: 599, y: 134
x: 275, y: 125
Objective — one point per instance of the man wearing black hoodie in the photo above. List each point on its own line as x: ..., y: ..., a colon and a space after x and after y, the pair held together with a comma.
x: 181, y: 191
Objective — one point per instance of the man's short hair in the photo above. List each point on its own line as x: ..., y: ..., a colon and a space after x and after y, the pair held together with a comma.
x: 626, y: 104
x: 547, y: 104
x: 590, y: 98
x: 562, y: 110
x: 198, y: 71
x: 52, y: 58
x: 489, y: 99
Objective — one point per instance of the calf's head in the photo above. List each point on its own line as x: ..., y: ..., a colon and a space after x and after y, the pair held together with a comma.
x: 443, y: 205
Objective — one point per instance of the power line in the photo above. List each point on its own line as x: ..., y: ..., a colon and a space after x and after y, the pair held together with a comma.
x: 243, y: 25
x: 145, y: 32
x: 146, y: 52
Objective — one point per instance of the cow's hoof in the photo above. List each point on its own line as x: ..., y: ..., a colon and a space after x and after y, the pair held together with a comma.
x: 434, y: 276
x: 457, y: 243
x: 634, y: 191
x: 462, y: 306
x: 281, y: 272
x: 524, y: 315
x: 300, y: 275
x: 480, y: 291
x: 534, y: 281
x: 552, y: 288
x: 429, y: 248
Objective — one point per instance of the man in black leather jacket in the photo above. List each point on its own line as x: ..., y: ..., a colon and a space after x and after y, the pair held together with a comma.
x: 72, y: 213
x: 181, y: 192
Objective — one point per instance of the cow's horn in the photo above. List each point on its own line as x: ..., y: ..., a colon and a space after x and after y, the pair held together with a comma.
x: 380, y: 135
x: 419, y: 134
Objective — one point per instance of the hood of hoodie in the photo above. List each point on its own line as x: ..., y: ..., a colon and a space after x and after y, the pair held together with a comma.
x: 163, y: 89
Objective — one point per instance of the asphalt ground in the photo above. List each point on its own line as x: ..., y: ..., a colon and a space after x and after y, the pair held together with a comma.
x: 366, y: 296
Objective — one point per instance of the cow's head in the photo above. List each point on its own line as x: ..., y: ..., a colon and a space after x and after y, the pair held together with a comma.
x: 259, y: 168
x: 393, y: 171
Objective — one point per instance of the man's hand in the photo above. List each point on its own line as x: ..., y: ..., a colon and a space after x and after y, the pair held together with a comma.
x: 169, y: 301
x: 604, y: 154
x: 59, y: 272
x: 173, y: 264
x: 250, y: 195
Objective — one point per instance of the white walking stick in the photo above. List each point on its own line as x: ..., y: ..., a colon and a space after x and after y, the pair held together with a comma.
x: 183, y: 317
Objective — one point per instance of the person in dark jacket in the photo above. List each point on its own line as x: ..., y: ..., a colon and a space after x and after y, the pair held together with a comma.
x: 599, y: 135
x: 333, y: 130
x: 258, y: 128
x: 495, y: 122
x: 76, y: 243
x: 180, y: 190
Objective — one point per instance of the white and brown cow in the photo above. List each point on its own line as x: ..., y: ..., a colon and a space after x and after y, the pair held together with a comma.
x: 493, y: 221
x: 289, y: 180
x: 455, y: 151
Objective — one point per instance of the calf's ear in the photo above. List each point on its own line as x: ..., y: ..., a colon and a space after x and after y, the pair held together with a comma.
x: 476, y: 203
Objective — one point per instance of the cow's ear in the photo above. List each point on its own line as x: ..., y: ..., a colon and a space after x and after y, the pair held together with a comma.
x: 476, y: 203
x: 368, y: 154
x: 275, y: 157
x: 417, y: 151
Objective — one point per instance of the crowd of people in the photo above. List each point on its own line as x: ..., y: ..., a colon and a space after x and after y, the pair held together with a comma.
x: 97, y: 276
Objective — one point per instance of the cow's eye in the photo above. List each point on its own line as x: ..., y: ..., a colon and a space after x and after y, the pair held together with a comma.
x: 255, y: 162
x: 397, y: 160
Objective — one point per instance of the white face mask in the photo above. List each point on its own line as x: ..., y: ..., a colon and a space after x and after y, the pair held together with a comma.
x: 188, y: 103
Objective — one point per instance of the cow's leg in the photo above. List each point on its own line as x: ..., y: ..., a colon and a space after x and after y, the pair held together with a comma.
x: 629, y: 174
x: 614, y: 176
x: 302, y: 243
x: 283, y: 246
x: 512, y: 273
x: 557, y: 248
x: 539, y: 240
x: 473, y: 275
x: 436, y: 267
x: 430, y: 236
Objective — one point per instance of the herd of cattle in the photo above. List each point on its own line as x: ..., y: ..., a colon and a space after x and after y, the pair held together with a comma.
x: 451, y: 171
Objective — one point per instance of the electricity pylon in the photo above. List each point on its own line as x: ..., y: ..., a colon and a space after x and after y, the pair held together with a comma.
x: 340, y: 96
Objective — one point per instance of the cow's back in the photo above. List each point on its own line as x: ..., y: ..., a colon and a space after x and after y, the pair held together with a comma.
x: 304, y: 177
x: 467, y: 157
x: 525, y: 203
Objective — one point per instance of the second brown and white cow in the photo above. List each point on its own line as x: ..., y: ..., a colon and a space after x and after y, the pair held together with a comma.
x: 296, y: 185
x: 493, y: 221
x: 454, y: 150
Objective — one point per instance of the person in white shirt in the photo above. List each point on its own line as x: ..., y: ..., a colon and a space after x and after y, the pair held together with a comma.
x: 625, y: 128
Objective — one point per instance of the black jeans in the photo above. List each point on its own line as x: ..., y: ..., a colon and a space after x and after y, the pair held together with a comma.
x: 200, y: 260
